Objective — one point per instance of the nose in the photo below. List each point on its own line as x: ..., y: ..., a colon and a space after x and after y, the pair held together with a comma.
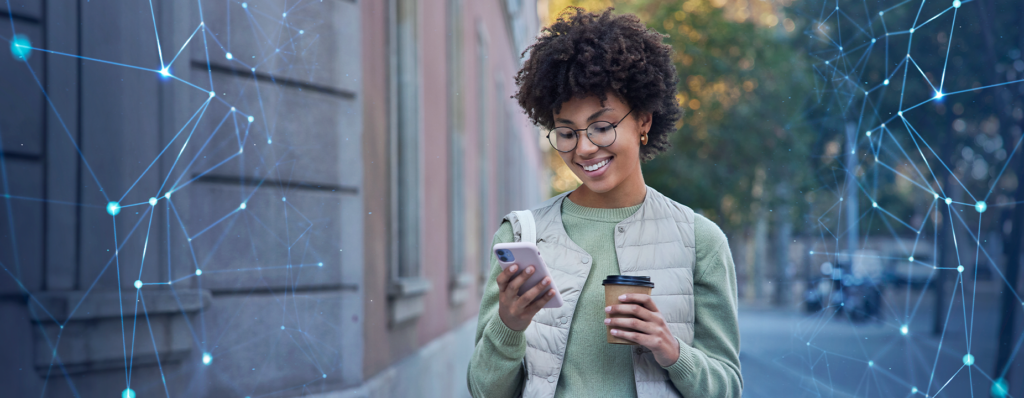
x: 584, y: 146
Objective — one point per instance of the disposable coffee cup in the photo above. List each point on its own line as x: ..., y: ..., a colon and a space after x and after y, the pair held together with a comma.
x: 617, y: 285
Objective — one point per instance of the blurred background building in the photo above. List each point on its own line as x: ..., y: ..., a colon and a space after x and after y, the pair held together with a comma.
x: 304, y: 191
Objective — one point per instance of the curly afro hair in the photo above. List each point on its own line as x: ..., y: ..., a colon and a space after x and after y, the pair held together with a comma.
x: 584, y: 54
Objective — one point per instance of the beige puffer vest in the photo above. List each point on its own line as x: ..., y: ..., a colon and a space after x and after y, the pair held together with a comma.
x: 656, y: 241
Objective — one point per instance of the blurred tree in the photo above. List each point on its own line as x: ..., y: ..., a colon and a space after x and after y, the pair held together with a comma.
x: 743, y: 86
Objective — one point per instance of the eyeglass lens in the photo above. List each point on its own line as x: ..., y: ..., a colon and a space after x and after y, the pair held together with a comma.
x: 564, y: 139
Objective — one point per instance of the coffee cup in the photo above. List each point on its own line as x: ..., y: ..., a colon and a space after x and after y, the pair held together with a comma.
x: 617, y: 285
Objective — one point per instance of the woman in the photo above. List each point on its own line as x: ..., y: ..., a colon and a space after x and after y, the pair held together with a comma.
x: 605, y: 86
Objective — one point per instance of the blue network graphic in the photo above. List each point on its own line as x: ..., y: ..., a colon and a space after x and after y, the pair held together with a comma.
x: 925, y: 149
x: 234, y: 202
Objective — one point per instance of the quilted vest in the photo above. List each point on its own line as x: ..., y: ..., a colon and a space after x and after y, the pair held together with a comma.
x: 656, y: 241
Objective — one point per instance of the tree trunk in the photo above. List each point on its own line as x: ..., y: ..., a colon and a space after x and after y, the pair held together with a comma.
x: 783, y: 239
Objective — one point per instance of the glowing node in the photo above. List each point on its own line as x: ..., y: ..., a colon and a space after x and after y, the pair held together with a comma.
x: 325, y: 376
x: 968, y: 359
x: 840, y: 48
x: 282, y: 327
x: 213, y: 94
x: 207, y: 358
x: 874, y: 204
x: 301, y: 32
x: 253, y: 70
x: 284, y: 199
x: 872, y: 40
x: 242, y: 206
x: 270, y: 141
x: 808, y: 343
x: 232, y: 109
x: 21, y: 47
x: 152, y: 201
x: 959, y: 268
x: 251, y: 119
x: 245, y: 5
x: 980, y: 206
x: 881, y: 12
x: 883, y: 124
x: 826, y: 62
x: 229, y: 56
x: 911, y: 30
x: 128, y: 393
x: 900, y: 113
x: 113, y: 208
x: 138, y: 284
x: 938, y: 94
x: 956, y: 3
x: 871, y: 363
x: 935, y: 195
x: 868, y: 133
x: 284, y: 15
x: 999, y: 388
x: 913, y: 390
x: 164, y: 72
x: 886, y: 82
x: 904, y: 330
x: 199, y: 272
x: 949, y: 201
x: 911, y: 258
x: 319, y: 264
x: 167, y: 195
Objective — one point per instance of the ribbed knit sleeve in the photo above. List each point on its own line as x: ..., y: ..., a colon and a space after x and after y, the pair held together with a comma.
x: 495, y: 370
x: 711, y: 368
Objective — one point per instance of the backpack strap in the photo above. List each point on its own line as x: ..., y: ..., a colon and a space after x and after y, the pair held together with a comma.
x: 527, y: 226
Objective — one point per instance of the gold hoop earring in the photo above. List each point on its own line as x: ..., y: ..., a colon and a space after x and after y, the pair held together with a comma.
x: 643, y: 139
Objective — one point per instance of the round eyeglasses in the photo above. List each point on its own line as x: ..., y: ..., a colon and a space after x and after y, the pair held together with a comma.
x: 600, y: 133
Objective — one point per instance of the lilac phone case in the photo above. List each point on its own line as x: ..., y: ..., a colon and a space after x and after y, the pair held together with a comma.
x: 526, y: 254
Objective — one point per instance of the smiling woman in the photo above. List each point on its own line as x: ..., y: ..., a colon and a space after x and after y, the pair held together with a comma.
x: 605, y: 87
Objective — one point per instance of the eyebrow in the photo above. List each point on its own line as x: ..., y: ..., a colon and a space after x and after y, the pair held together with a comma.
x: 592, y: 117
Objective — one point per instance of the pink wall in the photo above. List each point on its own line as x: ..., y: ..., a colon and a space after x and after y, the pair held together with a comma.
x: 385, y: 345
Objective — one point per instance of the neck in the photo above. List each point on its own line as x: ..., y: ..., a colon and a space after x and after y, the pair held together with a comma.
x: 630, y: 192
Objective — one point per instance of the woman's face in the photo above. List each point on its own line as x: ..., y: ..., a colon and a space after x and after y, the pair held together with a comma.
x: 622, y: 156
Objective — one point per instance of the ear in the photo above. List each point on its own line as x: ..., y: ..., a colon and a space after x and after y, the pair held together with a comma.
x: 645, y: 119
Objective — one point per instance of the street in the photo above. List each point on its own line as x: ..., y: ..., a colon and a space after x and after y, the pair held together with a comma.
x: 788, y: 353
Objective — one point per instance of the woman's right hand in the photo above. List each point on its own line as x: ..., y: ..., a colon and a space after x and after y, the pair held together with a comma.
x: 517, y: 311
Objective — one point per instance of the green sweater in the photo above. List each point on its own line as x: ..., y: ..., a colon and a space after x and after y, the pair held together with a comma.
x: 592, y: 367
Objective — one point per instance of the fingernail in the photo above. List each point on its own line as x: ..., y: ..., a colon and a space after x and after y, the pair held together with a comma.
x: 546, y: 281
x: 608, y: 309
x: 529, y: 270
x: 615, y: 331
x: 551, y: 292
x: 607, y: 321
x: 514, y: 268
x: 622, y: 297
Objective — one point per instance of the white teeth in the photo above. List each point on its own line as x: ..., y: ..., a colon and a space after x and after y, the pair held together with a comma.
x: 596, y: 166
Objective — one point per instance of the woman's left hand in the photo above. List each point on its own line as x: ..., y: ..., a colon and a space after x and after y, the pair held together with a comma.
x: 651, y: 331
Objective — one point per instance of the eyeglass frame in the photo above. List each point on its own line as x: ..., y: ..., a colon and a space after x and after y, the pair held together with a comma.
x: 614, y: 130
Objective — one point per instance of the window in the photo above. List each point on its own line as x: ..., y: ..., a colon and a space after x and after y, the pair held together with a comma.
x: 407, y: 286
x: 483, y: 147
x: 459, y: 279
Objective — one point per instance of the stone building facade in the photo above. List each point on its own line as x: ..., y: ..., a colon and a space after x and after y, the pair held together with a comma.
x: 254, y: 198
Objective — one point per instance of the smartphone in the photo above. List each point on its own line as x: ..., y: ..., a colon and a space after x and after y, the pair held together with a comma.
x: 526, y: 254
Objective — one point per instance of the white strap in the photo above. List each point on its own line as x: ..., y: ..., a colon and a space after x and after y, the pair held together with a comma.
x: 527, y: 226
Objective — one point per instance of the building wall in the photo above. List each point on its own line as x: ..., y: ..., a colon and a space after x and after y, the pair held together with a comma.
x: 487, y: 137
x: 277, y: 309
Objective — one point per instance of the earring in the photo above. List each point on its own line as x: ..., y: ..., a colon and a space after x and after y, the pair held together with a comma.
x: 643, y: 139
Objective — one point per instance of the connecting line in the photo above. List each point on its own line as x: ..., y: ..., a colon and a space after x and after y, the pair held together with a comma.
x: 156, y: 33
x: 120, y: 303
x: 168, y: 66
x: 152, y: 338
x: 942, y: 337
x: 166, y: 147
x: 949, y: 45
